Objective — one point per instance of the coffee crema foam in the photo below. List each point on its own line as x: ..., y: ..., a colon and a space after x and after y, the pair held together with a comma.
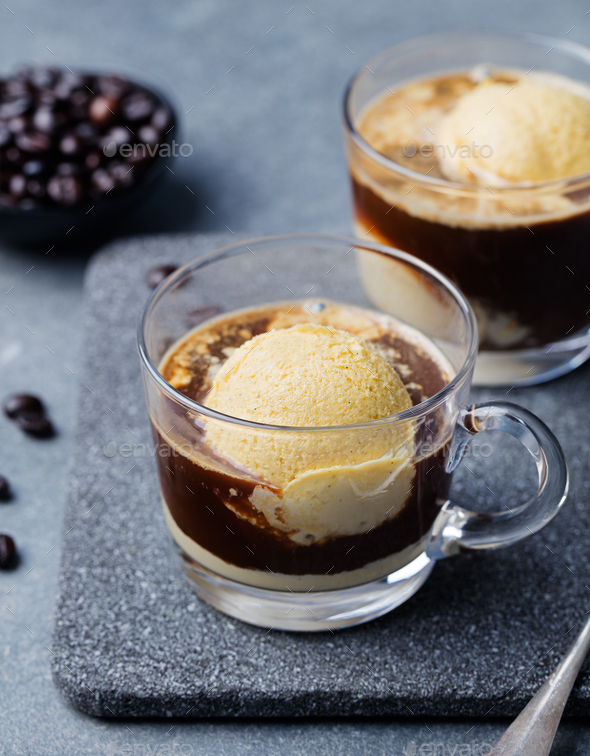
x: 413, y: 116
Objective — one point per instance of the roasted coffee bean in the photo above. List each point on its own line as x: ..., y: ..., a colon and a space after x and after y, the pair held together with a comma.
x: 17, y: 403
x: 14, y: 106
x: 16, y: 125
x: 119, y: 135
x: 17, y: 185
x: 36, y: 188
x: 92, y: 160
x: 162, y: 119
x: 5, y: 135
x: 46, y: 98
x: 7, y: 551
x: 44, y: 120
x: 42, y: 78
x: 4, y: 489
x: 13, y: 155
x: 200, y: 314
x: 34, y: 141
x: 67, y: 190
x: 33, y: 168
x: 156, y: 275
x: 35, y: 424
x: 138, y: 106
x: 80, y: 98
x: 103, y: 109
x: 17, y: 86
x: 148, y: 135
x: 101, y: 181
x: 68, y: 169
x: 67, y: 83
x: 121, y: 173
x: 86, y: 131
x: 112, y: 86
x: 71, y: 144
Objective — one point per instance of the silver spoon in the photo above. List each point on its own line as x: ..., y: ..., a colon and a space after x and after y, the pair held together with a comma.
x: 532, y: 732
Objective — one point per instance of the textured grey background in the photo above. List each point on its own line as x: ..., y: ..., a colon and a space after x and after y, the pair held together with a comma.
x: 267, y: 158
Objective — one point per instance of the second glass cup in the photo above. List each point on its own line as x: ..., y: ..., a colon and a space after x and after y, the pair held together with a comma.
x: 312, y: 525
x: 518, y: 251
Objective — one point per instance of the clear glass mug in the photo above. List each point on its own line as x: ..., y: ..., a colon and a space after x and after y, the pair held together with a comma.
x: 351, y: 539
x: 520, y: 253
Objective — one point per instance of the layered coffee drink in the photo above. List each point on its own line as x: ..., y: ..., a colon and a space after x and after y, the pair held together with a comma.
x: 295, y: 475
x: 470, y: 171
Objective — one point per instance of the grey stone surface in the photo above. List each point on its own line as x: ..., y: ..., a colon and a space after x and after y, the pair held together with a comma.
x: 132, y: 640
x: 267, y: 156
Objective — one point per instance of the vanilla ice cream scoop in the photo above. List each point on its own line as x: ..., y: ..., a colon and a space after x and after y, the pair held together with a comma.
x: 524, y: 132
x: 310, y: 376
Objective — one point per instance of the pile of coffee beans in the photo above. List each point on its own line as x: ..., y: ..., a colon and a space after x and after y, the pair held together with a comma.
x: 61, y: 135
x: 28, y: 413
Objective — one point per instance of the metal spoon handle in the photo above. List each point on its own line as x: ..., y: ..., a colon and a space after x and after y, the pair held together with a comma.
x: 532, y: 732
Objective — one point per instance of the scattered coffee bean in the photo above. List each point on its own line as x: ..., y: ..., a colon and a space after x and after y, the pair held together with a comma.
x: 48, y: 115
x: 200, y: 314
x: 35, y: 424
x: 156, y: 275
x: 4, y: 489
x: 7, y: 552
x: 18, y: 403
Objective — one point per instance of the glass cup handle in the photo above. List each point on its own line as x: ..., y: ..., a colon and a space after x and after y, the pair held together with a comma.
x: 456, y: 529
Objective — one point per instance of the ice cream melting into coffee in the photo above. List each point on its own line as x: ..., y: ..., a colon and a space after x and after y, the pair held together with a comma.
x: 314, y: 376
x: 341, y: 505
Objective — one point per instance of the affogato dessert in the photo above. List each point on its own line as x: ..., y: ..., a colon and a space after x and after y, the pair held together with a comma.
x: 309, y: 508
x: 499, y: 218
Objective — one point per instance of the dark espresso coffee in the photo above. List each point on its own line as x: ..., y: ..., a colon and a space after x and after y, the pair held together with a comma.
x: 522, y: 259
x: 218, y: 511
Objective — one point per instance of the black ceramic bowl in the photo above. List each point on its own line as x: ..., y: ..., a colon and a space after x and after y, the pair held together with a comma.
x: 51, y: 223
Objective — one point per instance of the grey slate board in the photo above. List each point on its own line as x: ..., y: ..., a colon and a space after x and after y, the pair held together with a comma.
x: 131, y: 639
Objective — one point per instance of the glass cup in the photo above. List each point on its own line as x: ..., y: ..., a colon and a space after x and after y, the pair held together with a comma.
x: 519, y: 253
x: 347, y: 540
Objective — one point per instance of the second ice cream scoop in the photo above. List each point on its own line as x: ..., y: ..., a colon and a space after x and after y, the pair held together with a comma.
x: 529, y: 131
